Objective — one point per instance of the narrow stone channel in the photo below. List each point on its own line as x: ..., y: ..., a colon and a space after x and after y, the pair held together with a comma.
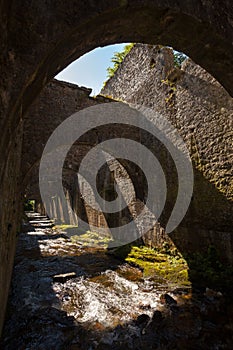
x: 68, y: 296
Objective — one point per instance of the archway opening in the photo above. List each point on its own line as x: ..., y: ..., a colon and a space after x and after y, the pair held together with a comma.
x: 128, y: 22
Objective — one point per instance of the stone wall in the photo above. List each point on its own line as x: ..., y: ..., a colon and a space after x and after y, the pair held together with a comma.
x: 40, y: 40
x: 146, y: 77
x: 198, y: 106
x: 201, y: 110
x: 57, y: 102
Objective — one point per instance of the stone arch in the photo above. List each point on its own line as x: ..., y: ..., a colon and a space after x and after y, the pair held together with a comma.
x: 41, y: 39
x: 70, y: 31
x: 122, y: 172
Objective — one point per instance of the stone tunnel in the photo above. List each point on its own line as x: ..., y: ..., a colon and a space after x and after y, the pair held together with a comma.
x: 40, y: 40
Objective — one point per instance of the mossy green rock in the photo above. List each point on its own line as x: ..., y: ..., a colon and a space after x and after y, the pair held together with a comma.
x: 170, y: 266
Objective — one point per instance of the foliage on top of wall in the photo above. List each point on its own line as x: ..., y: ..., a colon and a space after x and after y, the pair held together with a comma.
x: 179, y: 57
x: 118, y: 58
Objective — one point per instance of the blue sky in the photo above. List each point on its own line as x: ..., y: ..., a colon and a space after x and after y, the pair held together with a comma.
x: 90, y: 70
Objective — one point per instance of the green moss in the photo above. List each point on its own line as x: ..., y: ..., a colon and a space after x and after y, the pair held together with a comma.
x: 87, y: 238
x: 64, y: 227
x: 172, y: 90
x: 170, y: 266
x: 90, y: 238
x: 29, y: 205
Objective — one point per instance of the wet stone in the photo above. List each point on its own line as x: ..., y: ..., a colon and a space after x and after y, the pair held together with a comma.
x: 62, y: 278
x: 66, y: 296
x: 142, y: 319
x: 167, y: 299
x: 157, y: 316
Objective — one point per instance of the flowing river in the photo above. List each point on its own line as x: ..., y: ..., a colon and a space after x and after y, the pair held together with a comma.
x: 65, y: 295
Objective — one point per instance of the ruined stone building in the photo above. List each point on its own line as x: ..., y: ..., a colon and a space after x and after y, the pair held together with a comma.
x: 191, y: 100
x: 41, y: 38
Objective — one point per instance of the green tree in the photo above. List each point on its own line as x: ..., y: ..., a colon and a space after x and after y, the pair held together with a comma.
x: 118, y: 58
x: 179, y: 57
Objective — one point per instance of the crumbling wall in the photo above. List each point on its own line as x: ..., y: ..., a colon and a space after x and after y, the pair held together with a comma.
x: 197, y: 105
x: 40, y: 40
x: 201, y: 110
x: 146, y: 77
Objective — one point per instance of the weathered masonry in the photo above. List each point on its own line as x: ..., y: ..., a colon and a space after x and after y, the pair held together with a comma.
x: 41, y: 38
x: 192, y: 100
x: 202, y: 111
